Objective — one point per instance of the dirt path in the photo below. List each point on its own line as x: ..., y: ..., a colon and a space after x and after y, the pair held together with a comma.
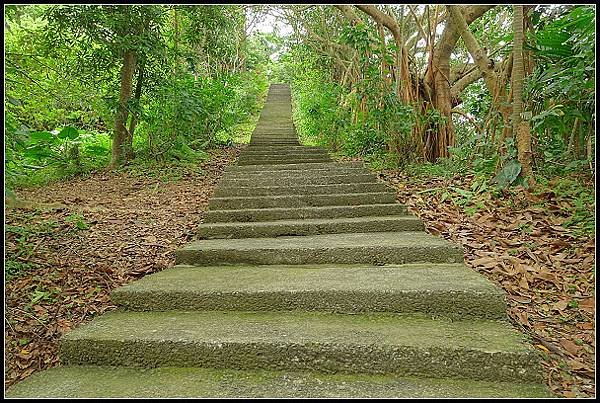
x: 85, y: 237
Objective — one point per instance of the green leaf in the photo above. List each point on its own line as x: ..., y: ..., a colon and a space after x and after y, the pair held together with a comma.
x: 68, y: 132
x: 41, y: 136
x: 508, y: 174
x: 38, y: 296
x: 96, y: 150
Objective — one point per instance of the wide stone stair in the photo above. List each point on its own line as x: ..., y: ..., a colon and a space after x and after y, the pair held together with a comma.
x: 308, y: 279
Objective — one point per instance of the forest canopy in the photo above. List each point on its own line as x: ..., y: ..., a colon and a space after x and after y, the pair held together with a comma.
x: 506, y: 90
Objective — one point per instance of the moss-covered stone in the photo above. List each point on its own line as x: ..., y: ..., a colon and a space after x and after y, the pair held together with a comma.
x: 373, y: 248
x: 435, y: 289
x: 224, y: 191
x: 309, y: 227
x: 251, y: 202
x: 91, y: 381
x: 329, y: 343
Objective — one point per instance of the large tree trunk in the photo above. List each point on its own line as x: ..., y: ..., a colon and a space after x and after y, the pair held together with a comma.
x: 440, y: 135
x: 120, y: 136
x: 520, y: 129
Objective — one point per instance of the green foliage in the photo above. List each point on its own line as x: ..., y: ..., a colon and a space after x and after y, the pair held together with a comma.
x: 186, y: 115
x: 199, y: 84
x: 509, y: 173
x: 561, y: 90
x: 363, y: 118
x: 78, y: 221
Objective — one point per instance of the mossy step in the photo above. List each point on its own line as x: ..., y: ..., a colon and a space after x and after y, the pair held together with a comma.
x: 264, y: 152
x: 372, y: 248
x: 296, y: 173
x: 274, y: 141
x: 312, y: 226
x: 451, y: 290
x: 273, y: 134
x: 302, y: 179
x: 278, y: 161
x: 173, y: 382
x: 298, y: 341
x: 224, y: 191
x: 317, y: 171
x: 301, y: 166
x: 282, y: 148
x: 277, y: 154
x: 347, y: 199
x: 272, y: 214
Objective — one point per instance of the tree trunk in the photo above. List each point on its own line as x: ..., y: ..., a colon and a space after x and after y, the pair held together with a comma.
x: 128, y: 144
x: 520, y: 129
x: 122, y: 112
x: 440, y: 135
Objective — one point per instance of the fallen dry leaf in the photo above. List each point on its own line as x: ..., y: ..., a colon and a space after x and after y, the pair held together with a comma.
x: 75, y: 270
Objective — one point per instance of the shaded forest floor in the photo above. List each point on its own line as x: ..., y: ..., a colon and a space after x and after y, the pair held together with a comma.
x: 73, y: 242
x: 517, y: 241
x: 70, y: 243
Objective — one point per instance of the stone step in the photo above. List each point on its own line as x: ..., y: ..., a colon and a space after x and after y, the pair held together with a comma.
x: 274, y: 137
x: 274, y: 134
x: 180, y: 382
x: 292, y: 159
x: 412, y: 345
x: 274, y: 142
x: 316, y: 170
x: 282, y: 153
x: 449, y: 290
x: 296, y: 158
x: 313, y: 226
x: 297, y: 173
x: 225, y: 191
x: 232, y: 179
x: 281, y: 160
x: 283, y: 148
x: 291, y: 137
x: 373, y: 248
x: 300, y: 166
x: 255, y: 215
x: 348, y: 199
x: 279, y: 124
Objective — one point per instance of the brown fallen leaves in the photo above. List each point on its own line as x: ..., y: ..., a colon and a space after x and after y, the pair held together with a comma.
x: 546, y: 270
x: 134, y: 223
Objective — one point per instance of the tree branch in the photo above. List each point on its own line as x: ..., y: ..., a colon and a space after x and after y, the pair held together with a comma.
x: 479, y: 55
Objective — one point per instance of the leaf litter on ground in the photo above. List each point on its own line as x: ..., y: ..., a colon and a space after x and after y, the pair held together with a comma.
x: 70, y: 243
x: 519, y: 243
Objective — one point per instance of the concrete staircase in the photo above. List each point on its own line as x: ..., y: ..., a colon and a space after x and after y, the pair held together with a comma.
x: 308, y: 280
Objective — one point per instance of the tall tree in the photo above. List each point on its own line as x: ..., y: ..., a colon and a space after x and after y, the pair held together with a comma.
x: 520, y: 128
x: 111, y: 35
x: 121, y: 137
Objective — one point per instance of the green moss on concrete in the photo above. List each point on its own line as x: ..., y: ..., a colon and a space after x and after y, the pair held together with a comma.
x: 224, y: 191
x: 232, y: 203
x: 373, y: 248
x: 439, y: 289
x: 329, y: 343
x: 299, y: 166
x: 90, y: 381
x: 309, y: 227
x: 315, y: 179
